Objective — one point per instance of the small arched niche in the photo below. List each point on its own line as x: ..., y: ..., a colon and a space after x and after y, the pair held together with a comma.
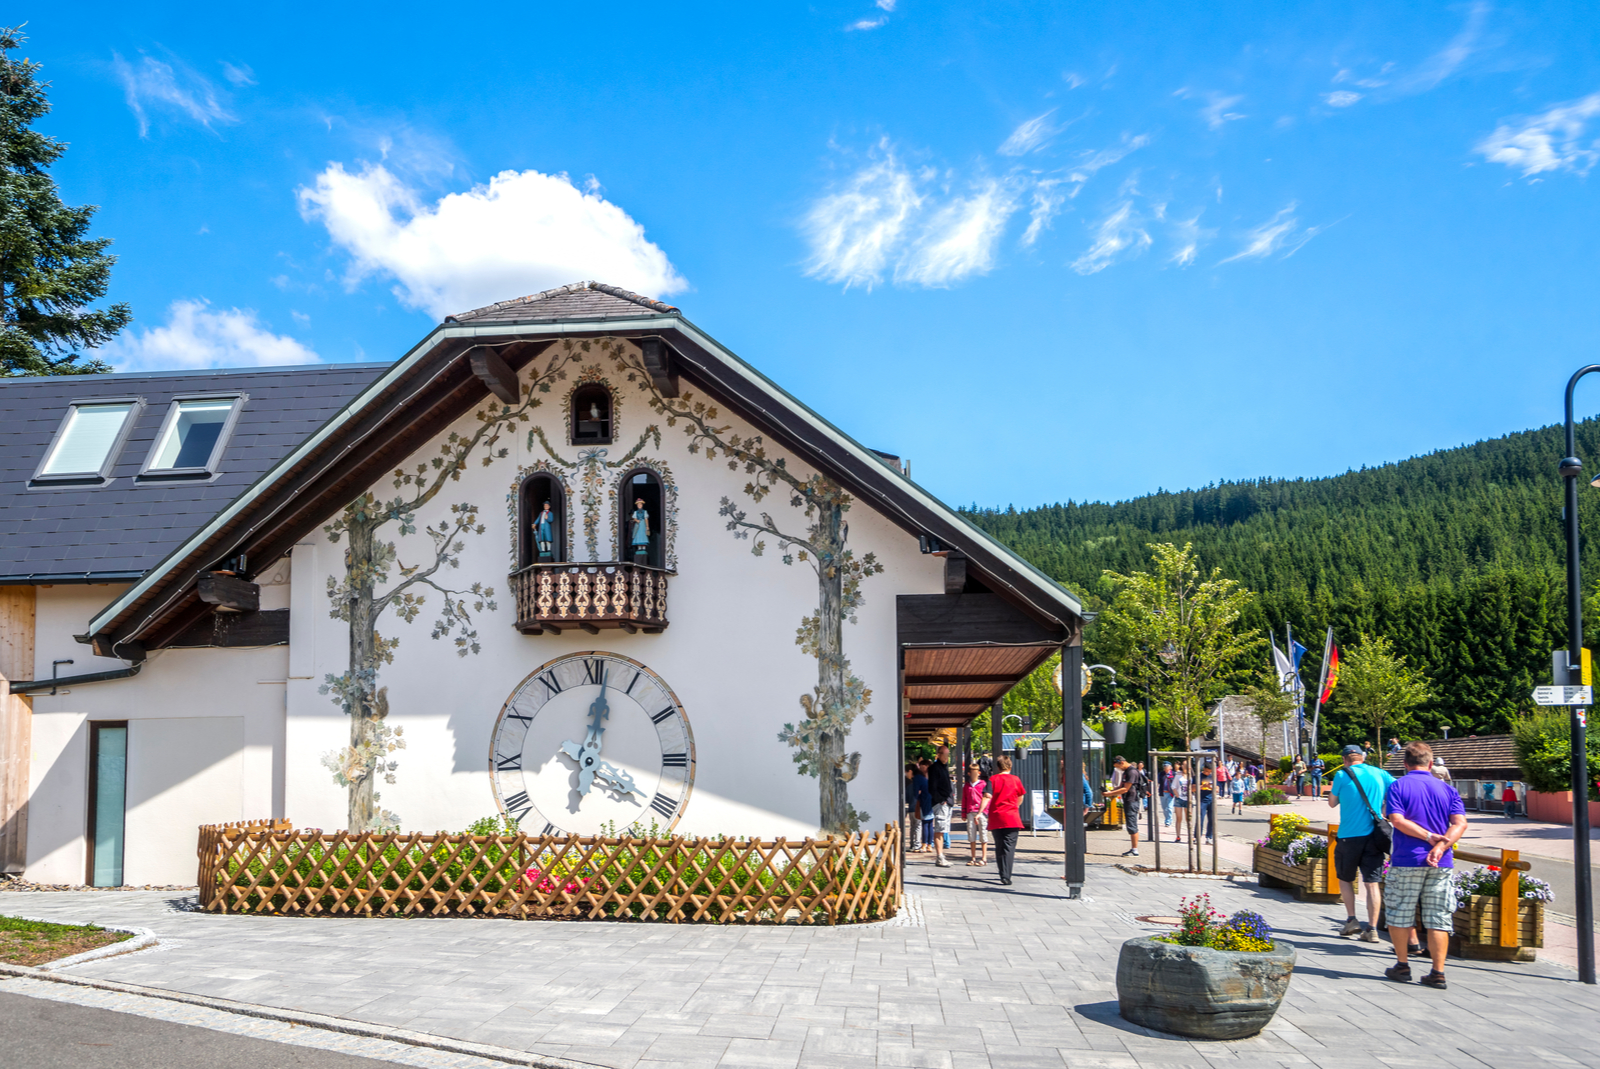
x: 538, y: 490
x: 591, y: 415
x: 641, y: 491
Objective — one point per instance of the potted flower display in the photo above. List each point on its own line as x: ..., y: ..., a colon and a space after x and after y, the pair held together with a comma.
x: 1213, y: 978
x: 1113, y: 723
x: 1291, y: 858
x: 1477, y: 915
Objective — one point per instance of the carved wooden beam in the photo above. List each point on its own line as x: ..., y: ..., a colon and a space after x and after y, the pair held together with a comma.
x: 229, y: 593
x: 658, y: 361
x: 955, y: 573
x: 495, y: 374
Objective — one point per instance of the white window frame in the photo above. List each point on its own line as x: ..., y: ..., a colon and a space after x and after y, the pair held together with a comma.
x: 148, y: 471
x: 103, y: 473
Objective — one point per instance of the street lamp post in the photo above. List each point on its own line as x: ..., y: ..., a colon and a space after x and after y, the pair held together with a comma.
x: 1571, y: 467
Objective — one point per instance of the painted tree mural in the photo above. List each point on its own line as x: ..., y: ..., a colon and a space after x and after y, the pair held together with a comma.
x: 369, y: 588
x: 818, y: 740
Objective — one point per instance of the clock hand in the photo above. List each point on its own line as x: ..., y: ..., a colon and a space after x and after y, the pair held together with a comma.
x: 587, y: 756
x: 615, y: 778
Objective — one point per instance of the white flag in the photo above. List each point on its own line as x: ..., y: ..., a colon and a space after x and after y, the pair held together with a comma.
x: 1286, y: 672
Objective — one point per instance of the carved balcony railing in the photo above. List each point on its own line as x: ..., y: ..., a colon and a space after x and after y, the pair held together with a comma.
x: 560, y: 597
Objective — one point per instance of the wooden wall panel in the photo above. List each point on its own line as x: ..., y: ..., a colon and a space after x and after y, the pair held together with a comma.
x: 17, y: 613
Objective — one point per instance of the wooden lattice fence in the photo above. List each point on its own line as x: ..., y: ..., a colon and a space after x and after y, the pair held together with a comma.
x: 268, y: 867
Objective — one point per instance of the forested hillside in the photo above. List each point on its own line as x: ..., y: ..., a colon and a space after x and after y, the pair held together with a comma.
x: 1456, y: 556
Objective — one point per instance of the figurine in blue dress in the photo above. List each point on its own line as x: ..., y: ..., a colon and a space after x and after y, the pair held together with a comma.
x: 544, y: 533
x: 640, y: 528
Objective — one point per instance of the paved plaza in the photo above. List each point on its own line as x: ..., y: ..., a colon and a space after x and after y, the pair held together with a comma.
x: 977, y: 975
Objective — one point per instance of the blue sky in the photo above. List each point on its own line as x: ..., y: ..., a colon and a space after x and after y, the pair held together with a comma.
x: 1046, y: 251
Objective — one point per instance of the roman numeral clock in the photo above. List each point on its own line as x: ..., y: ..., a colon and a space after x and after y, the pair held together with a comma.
x: 592, y: 743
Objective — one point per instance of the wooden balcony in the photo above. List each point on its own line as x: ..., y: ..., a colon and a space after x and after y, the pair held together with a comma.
x: 560, y: 597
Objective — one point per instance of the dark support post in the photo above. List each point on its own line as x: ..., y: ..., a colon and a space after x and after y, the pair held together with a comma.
x: 1583, y: 900
x: 1076, y: 840
x: 997, y: 715
x: 1153, y: 775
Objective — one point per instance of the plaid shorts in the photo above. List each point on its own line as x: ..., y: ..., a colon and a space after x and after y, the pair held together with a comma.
x: 1406, y: 890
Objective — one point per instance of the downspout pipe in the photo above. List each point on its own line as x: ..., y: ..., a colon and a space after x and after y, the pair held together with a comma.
x: 34, y: 686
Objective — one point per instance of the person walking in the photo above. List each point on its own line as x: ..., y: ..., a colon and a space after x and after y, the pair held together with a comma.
x: 1166, y: 794
x: 972, y: 812
x: 1318, y: 767
x: 913, y: 816
x: 1509, y: 798
x: 1180, y: 803
x: 1297, y: 773
x: 1207, y: 815
x: 1428, y: 820
x: 1440, y: 772
x: 1000, y: 807
x: 1358, y: 793
x: 1128, y: 784
x: 943, y: 795
x: 925, y: 805
x: 1238, y: 783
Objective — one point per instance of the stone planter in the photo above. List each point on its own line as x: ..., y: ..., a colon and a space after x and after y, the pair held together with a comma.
x: 1477, y: 930
x: 1308, y: 881
x: 1200, y: 992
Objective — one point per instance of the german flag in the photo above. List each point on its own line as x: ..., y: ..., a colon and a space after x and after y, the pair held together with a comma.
x: 1333, y: 674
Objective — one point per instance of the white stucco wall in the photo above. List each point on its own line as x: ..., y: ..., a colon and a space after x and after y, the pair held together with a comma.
x: 729, y: 653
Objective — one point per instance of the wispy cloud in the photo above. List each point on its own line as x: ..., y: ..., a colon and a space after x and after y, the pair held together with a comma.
x: 1216, y: 113
x: 1445, y: 62
x: 522, y: 232
x: 1099, y: 159
x: 240, y: 75
x: 1553, y: 141
x: 1029, y: 136
x: 198, y: 336
x: 887, y: 220
x: 1187, y: 236
x: 1342, y: 98
x: 1280, y: 234
x: 1049, y: 195
x: 868, y: 24
x: 1119, y: 235
x: 173, y: 87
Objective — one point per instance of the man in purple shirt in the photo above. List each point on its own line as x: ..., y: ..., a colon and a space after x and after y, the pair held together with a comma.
x: 1428, y: 819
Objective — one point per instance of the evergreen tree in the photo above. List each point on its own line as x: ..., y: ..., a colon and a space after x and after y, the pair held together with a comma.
x: 50, y: 271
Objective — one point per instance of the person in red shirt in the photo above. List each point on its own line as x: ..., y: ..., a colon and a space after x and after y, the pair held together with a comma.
x: 1000, y: 805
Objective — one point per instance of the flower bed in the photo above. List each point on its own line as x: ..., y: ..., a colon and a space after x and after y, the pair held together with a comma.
x: 258, y: 868
x: 1477, y: 916
x: 1290, y: 858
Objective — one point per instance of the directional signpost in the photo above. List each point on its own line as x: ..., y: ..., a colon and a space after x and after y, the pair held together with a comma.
x: 1563, y: 695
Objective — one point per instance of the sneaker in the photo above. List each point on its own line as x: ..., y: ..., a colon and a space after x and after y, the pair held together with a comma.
x: 943, y: 863
x: 1369, y: 935
x: 1399, y: 973
x: 1435, y: 979
x: 1351, y: 927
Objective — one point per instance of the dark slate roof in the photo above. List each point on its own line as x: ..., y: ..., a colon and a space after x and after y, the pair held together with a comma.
x: 581, y: 300
x: 121, y: 529
x: 1473, y: 757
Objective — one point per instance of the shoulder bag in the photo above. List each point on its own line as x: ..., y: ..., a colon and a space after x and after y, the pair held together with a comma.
x: 1380, y: 827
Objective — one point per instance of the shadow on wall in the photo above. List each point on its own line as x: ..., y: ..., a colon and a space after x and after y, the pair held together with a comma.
x: 58, y: 800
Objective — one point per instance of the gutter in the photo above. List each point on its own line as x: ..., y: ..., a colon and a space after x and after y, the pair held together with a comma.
x: 69, y: 578
x: 33, y: 686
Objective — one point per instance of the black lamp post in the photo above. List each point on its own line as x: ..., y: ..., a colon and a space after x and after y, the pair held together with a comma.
x: 1571, y: 467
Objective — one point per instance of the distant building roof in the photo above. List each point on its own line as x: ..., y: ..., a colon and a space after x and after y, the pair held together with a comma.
x: 121, y: 528
x: 1473, y: 757
x: 581, y: 300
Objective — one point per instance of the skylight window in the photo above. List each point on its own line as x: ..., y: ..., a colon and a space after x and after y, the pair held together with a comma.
x: 191, y: 440
x: 87, y: 443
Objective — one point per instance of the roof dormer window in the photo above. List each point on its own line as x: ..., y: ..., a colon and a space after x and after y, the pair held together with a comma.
x: 88, y: 441
x: 192, y: 437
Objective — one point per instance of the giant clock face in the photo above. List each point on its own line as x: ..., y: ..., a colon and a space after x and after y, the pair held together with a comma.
x: 592, y: 743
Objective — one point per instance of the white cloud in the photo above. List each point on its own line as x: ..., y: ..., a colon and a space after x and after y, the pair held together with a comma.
x: 240, y: 75
x: 886, y: 5
x: 1216, y: 113
x: 1553, y: 141
x: 522, y: 232
x: 1047, y: 201
x: 1342, y: 98
x: 152, y: 83
x: 198, y: 336
x: 959, y: 238
x: 886, y: 220
x: 1443, y: 63
x: 1072, y: 78
x: 1119, y: 235
x: 868, y: 24
x: 1094, y: 161
x: 1188, y: 235
x: 1029, y: 136
x: 1281, y: 233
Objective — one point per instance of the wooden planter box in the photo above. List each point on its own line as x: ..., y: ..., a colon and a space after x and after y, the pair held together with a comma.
x: 1477, y: 930
x: 1308, y: 882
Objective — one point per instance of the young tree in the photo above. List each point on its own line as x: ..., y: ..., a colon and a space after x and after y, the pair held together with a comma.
x: 1378, y: 686
x: 50, y: 271
x: 364, y: 593
x: 1178, y: 634
x: 1270, y: 704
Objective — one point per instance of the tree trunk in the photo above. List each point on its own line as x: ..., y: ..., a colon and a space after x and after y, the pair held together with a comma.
x: 362, y: 807
x: 835, y: 790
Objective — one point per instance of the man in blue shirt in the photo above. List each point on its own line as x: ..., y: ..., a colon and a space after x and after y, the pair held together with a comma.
x: 1428, y: 820
x: 1358, y: 792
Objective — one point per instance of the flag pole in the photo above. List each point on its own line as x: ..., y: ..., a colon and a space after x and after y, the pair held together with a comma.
x: 1322, y: 686
x: 1298, y: 692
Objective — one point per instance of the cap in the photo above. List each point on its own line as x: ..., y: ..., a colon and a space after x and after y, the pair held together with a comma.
x: 1351, y: 749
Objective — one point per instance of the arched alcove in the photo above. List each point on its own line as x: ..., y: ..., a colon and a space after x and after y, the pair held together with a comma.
x: 641, y: 484
x: 591, y: 415
x: 538, y: 490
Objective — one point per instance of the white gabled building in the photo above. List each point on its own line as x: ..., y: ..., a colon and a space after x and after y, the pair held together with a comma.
x: 268, y: 594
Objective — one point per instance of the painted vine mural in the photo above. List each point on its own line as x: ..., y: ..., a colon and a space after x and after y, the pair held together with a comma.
x: 831, y: 709
x: 371, y: 563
